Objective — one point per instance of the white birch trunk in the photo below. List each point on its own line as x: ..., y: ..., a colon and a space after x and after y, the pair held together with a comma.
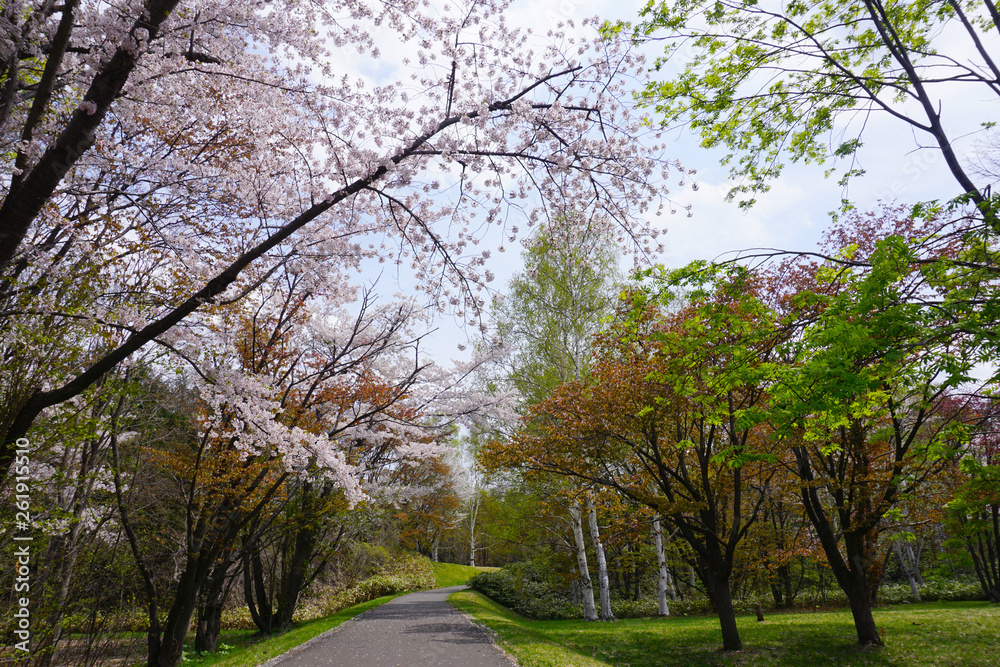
x: 603, y: 584
x: 663, y: 581
x: 473, y: 511
x: 586, y: 585
x: 908, y: 560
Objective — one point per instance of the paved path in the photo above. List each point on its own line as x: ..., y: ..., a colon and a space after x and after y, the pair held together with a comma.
x: 416, y: 630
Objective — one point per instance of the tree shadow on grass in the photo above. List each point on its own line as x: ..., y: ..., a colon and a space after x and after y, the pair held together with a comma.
x: 808, y: 645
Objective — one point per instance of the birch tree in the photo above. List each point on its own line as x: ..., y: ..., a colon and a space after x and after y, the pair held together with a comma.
x: 544, y: 328
x: 663, y: 583
x: 586, y: 583
x: 602, y: 563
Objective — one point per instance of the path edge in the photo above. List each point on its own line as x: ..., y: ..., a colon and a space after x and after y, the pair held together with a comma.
x: 494, y: 637
x: 295, y: 650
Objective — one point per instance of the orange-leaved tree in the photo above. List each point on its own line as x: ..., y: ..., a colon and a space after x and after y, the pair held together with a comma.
x: 670, y: 418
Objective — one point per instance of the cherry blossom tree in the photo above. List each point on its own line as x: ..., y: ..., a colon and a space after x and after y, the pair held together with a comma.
x: 166, y: 157
x: 301, y: 407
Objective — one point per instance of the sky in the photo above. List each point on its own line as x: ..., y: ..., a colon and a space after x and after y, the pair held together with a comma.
x: 791, y: 216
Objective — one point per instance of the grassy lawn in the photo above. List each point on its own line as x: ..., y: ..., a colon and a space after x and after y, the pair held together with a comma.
x: 449, y: 574
x: 948, y: 633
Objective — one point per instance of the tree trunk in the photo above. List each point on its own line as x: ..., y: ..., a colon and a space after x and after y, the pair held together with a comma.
x: 64, y: 550
x: 206, y: 637
x: 852, y: 573
x: 908, y: 560
x: 853, y: 579
x: 602, y: 564
x: 781, y: 587
x: 864, y: 622
x: 636, y: 582
x: 255, y: 593
x: 984, y: 548
x: 586, y: 585
x: 777, y: 594
x: 915, y: 552
x: 153, y: 642
x: 785, y: 573
x: 473, y: 510
x: 663, y: 580
x: 295, y: 576
x: 722, y: 600
x: 673, y: 590
x: 171, y: 646
x: 211, y: 535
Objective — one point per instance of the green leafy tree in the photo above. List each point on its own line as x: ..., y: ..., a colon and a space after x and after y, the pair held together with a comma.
x: 554, y: 307
x: 799, y: 80
x: 865, y: 398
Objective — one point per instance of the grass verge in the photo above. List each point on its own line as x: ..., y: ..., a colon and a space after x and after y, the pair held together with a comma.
x: 450, y: 574
x: 932, y: 634
x: 247, y: 648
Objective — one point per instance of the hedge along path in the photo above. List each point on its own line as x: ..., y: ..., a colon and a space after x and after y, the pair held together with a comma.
x: 418, y: 629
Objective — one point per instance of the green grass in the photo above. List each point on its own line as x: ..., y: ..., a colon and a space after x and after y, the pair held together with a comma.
x: 944, y: 633
x: 449, y: 574
x: 249, y: 649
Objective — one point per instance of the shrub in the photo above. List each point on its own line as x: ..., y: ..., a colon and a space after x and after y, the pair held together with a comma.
x: 640, y: 608
x: 647, y: 607
x: 400, y: 574
x: 934, y: 590
x: 127, y: 620
x: 238, y: 618
x: 523, y: 588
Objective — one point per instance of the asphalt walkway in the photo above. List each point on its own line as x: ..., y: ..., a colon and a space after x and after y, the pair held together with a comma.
x: 416, y: 630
